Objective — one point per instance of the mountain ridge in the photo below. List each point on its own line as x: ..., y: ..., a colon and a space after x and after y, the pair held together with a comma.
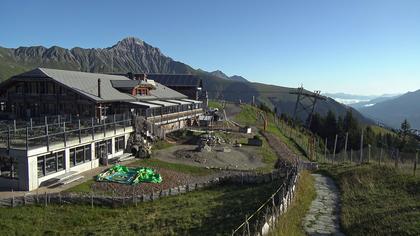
x: 134, y: 55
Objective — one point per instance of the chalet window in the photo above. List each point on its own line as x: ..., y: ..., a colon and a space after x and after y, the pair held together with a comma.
x: 109, y: 144
x: 3, y: 106
x: 8, y: 167
x: 50, y: 88
x: 41, y: 170
x: 19, y: 88
x: 80, y: 155
x: 119, y: 143
x: 60, y: 161
x: 88, y: 153
x: 50, y: 163
x: 103, y: 148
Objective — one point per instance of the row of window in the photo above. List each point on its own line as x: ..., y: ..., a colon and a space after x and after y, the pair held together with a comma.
x: 80, y: 155
x: 43, y: 87
x: 55, y: 162
x: 119, y: 143
x: 168, y: 110
x: 50, y: 163
x: 8, y: 167
x: 103, y: 149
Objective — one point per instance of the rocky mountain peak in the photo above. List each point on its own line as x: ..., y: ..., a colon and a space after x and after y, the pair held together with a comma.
x: 130, y: 42
x: 219, y: 74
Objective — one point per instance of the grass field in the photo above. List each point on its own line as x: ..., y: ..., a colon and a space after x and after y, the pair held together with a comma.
x: 377, y: 201
x: 161, y: 144
x: 291, y: 222
x: 215, y: 104
x: 214, y: 211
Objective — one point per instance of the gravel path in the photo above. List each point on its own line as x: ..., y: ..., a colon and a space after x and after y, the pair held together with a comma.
x: 323, y: 216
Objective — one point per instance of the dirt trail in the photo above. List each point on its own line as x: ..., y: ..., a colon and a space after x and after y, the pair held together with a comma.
x: 323, y: 216
x: 280, y: 148
x: 232, y: 110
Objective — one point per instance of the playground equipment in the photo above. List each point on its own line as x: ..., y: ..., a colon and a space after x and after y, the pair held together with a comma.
x: 127, y: 175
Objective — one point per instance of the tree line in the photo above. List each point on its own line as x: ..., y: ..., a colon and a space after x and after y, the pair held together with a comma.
x: 328, y: 126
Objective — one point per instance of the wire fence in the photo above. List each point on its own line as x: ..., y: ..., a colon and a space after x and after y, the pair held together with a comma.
x: 265, y: 217
x: 341, y: 152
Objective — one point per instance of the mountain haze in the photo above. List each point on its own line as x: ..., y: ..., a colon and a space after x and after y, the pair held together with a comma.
x: 135, y: 55
x: 392, y: 112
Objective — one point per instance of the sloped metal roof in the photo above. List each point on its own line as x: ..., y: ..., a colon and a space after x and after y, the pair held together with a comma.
x: 87, y: 84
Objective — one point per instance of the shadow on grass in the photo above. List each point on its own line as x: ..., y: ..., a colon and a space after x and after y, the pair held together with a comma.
x: 234, y: 205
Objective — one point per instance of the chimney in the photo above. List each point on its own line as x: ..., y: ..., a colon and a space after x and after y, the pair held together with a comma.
x: 130, y: 75
x: 99, y: 87
x: 141, y: 77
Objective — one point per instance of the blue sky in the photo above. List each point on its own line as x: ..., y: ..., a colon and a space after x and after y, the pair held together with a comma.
x: 361, y: 47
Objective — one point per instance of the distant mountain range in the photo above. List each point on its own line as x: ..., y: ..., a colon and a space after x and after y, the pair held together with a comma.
x: 135, y: 55
x: 392, y: 112
x: 222, y: 75
x: 358, y: 101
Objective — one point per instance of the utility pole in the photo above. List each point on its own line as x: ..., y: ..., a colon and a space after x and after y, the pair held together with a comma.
x: 335, y: 147
x: 305, y: 103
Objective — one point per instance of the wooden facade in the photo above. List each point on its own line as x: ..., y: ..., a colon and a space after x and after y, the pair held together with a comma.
x: 26, y: 98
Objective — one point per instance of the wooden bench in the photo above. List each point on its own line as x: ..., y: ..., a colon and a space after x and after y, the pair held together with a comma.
x: 59, y: 180
x: 71, y: 179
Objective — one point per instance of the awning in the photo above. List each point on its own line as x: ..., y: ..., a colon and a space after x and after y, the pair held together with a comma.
x: 144, y: 104
x: 179, y: 102
x: 192, y: 101
x: 162, y: 103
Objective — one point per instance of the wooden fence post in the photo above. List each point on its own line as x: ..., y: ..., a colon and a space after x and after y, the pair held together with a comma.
x: 380, y: 155
x: 91, y: 199
x: 325, y: 150
x: 335, y: 147
x: 13, y: 199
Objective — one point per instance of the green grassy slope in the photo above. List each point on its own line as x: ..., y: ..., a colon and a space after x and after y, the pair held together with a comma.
x: 377, y: 201
x: 249, y: 116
